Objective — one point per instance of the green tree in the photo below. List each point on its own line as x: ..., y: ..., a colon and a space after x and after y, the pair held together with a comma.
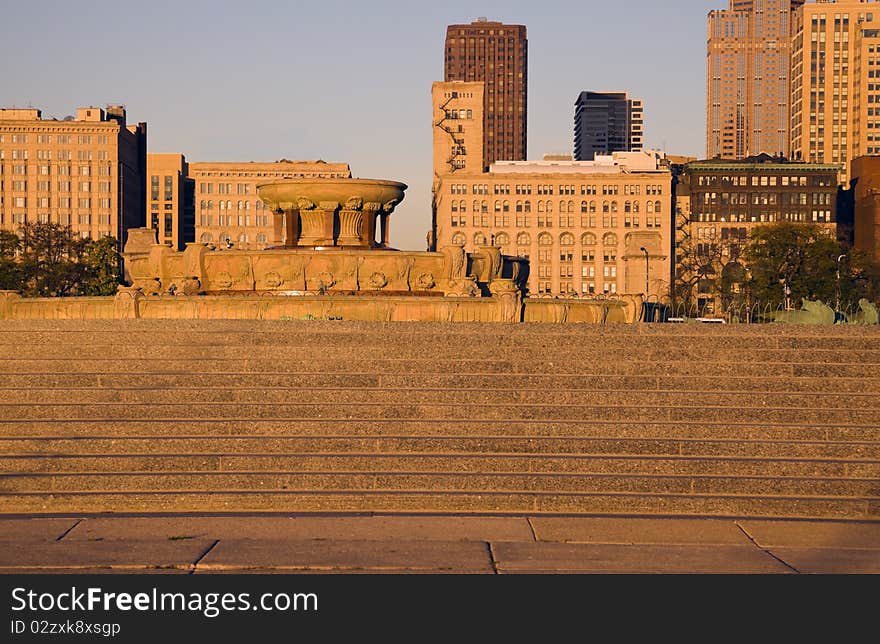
x: 802, y: 259
x: 10, y: 268
x: 101, y: 260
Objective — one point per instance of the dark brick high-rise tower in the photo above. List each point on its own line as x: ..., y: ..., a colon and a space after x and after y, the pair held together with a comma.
x: 498, y: 55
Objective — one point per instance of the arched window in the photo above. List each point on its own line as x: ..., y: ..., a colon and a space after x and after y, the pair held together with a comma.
x: 627, y: 207
x: 610, y: 239
x: 484, y: 206
x: 584, y: 207
x: 206, y: 237
x: 650, y: 207
x: 458, y: 239
x: 562, y: 207
x: 657, y: 207
x: 549, y: 206
x: 588, y: 239
x: 258, y: 205
x: 505, y: 206
x: 202, y: 204
x: 501, y: 239
x: 476, y: 206
x: 570, y: 207
x: 462, y: 205
x: 606, y: 207
x: 224, y: 237
x: 592, y: 206
x: 566, y: 239
x: 635, y: 206
x: 519, y: 206
x: 261, y: 238
x: 479, y: 239
x: 238, y: 206
x: 523, y: 239
x: 222, y: 205
x: 613, y: 206
x: 540, y: 206
x: 544, y: 239
x: 528, y: 205
x: 243, y: 238
x: 454, y: 206
x: 247, y: 205
x: 229, y: 205
x: 497, y: 206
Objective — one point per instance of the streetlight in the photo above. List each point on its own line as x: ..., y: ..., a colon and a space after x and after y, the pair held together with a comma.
x: 647, y: 268
x: 837, y: 304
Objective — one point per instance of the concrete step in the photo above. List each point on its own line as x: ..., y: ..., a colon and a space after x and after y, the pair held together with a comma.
x: 592, y: 381
x: 96, y: 445
x: 849, y: 467
x: 501, y: 412
x: 421, y: 396
x: 445, y: 501
x: 549, y: 366
x: 421, y: 482
x: 438, y: 428
x: 450, y: 350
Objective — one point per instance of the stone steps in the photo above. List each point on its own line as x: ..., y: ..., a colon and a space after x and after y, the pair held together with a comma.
x: 390, y: 412
x: 586, y: 381
x: 428, y: 428
x: 292, y: 416
x: 469, y: 444
x: 850, y: 467
x: 484, y: 502
x: 436, y: 396
x: 546, y: 483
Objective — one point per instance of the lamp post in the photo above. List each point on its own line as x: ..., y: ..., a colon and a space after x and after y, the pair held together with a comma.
x: 647, y: 268
x: 837, y: 299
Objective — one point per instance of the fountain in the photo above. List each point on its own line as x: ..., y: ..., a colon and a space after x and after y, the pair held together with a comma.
x: 331, y: 254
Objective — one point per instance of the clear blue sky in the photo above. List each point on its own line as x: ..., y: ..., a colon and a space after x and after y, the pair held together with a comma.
x: 345, y: 81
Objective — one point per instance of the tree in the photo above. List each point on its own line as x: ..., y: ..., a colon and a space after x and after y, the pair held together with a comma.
x: 48, y: 260
x: 801, y: 261
x: 706, y: 269
x: 10, y: 269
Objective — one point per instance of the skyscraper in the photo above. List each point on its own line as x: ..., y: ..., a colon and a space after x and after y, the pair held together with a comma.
x: 835, y: 105
x: 748, y: 84
x: 606, y: 122
x: 496, y: 54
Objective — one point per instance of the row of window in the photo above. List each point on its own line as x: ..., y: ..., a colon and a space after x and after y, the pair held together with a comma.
x: 544, y: 239
x: 60, y: 202
x: 816, y: 216
x: 63, y: 219
x: 234, y: 220
x: 59, y: 155
x: 60, y: 139
x: 228, y: 205
x: 764, y: 180
x: 765, y: 198
x: 62, y: 186
x: 60, y: 170
x: 564, y: 221
x: 561, y: 189
x: 651, y: 207
x: 224, y: 238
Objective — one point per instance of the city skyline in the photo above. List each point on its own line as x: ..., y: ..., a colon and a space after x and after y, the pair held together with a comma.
x: 213, y: 102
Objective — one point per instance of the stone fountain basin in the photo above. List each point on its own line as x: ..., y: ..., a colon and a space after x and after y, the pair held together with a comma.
x: 286, y: 194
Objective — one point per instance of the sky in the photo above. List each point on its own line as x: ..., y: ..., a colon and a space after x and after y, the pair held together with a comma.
x: 346, y: 81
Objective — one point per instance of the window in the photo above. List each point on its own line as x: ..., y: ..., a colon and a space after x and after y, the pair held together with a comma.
x: 458, y: 239
x: 523, y: 239
x: 154, y: 188
x: 169, y: 188
x: 566, y: 239
x: 609, y: 239
x: 544, y: 239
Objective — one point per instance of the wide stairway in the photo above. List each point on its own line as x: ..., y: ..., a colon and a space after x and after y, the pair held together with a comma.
x: 347, y: 417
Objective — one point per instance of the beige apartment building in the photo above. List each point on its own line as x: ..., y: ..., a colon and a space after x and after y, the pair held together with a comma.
x: 748, y: 78
x: 457, y: 109
x: 85, y: 171
x: 170, y: 200
x: 582, y: 224
x: 835, y: 100
x: 228, y: 210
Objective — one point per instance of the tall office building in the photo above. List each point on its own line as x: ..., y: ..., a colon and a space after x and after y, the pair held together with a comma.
x: 496, y: 54
x: 748, y: 78
x: 85, y: 171
x: 835, y: 104
x: 606, y: 122
x: 170, y: 200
